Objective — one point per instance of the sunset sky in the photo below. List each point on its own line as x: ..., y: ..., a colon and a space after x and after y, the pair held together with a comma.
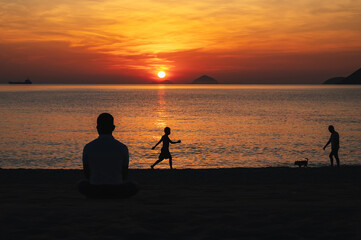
x: 127, y: 41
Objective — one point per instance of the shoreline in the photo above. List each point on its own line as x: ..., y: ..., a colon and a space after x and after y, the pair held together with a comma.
x: 213, y: 176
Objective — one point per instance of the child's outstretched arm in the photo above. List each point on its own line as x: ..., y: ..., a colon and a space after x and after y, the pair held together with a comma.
x: 179, y: 141
x: 157, y: 143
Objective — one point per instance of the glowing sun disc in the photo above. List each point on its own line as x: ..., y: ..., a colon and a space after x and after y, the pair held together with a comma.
x: 161, y: 74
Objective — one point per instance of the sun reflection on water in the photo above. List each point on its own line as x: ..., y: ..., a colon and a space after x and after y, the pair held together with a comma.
x: 161, y: 108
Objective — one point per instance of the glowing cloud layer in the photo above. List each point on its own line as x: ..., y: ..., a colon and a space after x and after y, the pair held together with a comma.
x: 125, y: 41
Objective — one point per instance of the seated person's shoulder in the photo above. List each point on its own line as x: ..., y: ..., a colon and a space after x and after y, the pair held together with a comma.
x: 99, y: 144
x: 121, y: 145
x: 90, y: 144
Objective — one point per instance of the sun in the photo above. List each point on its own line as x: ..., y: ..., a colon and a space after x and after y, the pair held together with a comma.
x: 161, y: 74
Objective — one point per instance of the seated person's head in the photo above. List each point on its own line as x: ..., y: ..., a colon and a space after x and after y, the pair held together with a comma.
x: 167, y: 130
x: 105, y: 123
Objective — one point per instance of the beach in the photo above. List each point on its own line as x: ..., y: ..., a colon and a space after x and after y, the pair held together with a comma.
x: 234, y: 203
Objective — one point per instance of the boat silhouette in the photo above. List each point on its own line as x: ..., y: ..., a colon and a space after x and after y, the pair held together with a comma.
x: 27, y: 81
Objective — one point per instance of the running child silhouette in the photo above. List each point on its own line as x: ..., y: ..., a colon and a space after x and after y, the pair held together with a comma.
x: 164, y: 154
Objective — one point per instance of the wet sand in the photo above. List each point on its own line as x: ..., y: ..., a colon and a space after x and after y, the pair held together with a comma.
x: 242, y: 203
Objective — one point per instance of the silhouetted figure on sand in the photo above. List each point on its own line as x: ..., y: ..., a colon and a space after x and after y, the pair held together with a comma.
x: 335, y: 145
x: 105, y: 162
x: 165, y: 154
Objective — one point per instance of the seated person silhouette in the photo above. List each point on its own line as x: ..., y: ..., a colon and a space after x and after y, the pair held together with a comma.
x: 335, y: 145
x: 105, y: 163
x: 165, y: 154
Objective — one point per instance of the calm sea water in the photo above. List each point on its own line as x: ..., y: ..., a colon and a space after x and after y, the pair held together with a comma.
x: 46, y: 126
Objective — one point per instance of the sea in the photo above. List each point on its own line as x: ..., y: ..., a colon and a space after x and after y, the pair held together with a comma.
x: 220, y: 126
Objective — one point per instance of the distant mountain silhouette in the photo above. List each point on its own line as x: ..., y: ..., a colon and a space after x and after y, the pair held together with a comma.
x: 162, y: 82
x: 335, y: 80
x: 205, y: 80
x: 354, y: 78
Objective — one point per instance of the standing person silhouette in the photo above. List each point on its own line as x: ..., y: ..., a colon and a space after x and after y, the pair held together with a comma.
x: 335, y: 145
x: 164, y: 154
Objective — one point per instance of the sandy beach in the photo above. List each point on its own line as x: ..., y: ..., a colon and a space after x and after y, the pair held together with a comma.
x: 241, y: 203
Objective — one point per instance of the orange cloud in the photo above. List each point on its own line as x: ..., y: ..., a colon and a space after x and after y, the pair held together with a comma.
x: 133, y: 40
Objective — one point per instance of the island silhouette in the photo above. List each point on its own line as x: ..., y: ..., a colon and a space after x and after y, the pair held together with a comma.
x: 354, y: 78
x: 205, y: 80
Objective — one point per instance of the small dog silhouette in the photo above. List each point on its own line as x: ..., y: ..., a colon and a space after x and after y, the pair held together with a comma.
x: 302, y: 163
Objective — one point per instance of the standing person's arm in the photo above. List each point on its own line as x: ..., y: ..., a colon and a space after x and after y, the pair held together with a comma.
x: 85, y: 164
x: 125, y: 165
x: 329, y: 141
